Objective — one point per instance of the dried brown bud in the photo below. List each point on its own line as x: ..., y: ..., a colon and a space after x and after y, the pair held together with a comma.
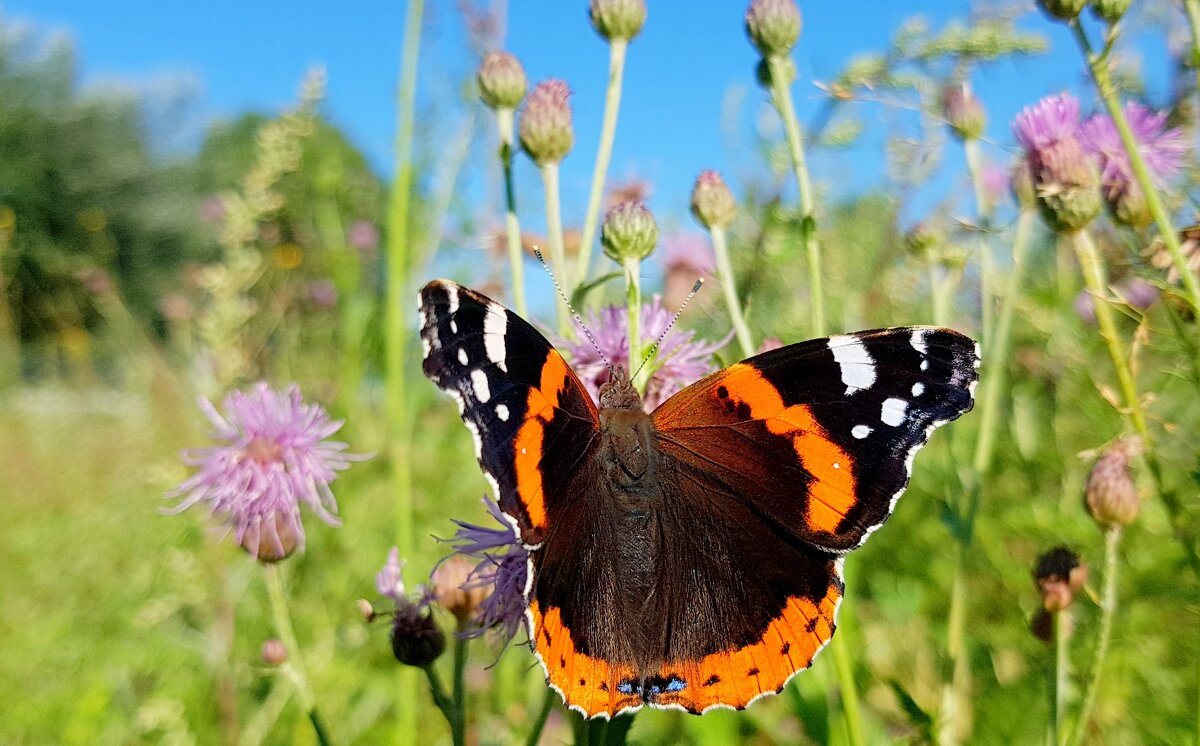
x: 452, y: 589
x: 275, y: 541
x: 1111, y: 497
x: 366, y: 610
x: 1059, y: 576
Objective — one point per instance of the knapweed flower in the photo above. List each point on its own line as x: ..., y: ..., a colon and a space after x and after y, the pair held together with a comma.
x: 679, y: 361
x: 618, y: 20
x: 1110, y: 496
x: 545, y: 128
x: 416, y: 638
x: 272, y: 455
x: 773, y: 26
x: 501, y: 81
x: 1064, y: 176
x: 1059, y: 575
x: 500, y: 574
x: 629, y: 232
x: 712, y: 202
x: 1161, y: 149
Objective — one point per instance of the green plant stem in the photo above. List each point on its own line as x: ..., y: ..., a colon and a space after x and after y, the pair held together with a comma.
x: 555, y: 236
x: 849, y: 690
x: 608, y: 131
x: 1108, y: 609
x: 458, y: 726
x: 1062, y: 674
x: 781, y: 96
x: 633, y: 308
x: 539, y: 724
x: 396, y: 335
x: 1192, y: 8
x: 1096, y: 282
x: 444, y: 703
x: 1098, y: 64
x: 729, y: 287
x: 512, y: 226
x: 294, y: 666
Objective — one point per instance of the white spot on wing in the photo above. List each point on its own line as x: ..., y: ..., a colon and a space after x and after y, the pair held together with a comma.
x: 495, y: 324
x: 918, y: 340
x: 893, y: 411
x: 462, y: 356
x: 479, y: 383
x: 918, y: 388
x: 453, y: 326
x: 452, y: 294
x: 860, y: 431
x: 502, y: 412
x: 858, y: 369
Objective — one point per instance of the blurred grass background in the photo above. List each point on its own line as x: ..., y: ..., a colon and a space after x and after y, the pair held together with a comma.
x: 123, y: 625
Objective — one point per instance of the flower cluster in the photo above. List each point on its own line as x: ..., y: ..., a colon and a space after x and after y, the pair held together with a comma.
x: 500, y: 575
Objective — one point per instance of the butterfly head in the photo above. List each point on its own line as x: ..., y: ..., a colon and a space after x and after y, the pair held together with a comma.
x: 619, y: 393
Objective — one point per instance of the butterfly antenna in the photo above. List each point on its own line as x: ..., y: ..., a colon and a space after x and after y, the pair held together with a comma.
x: 574, y: 314
x: 654, y: 347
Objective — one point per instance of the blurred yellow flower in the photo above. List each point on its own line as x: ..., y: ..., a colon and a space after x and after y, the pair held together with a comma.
x: 287, y: 256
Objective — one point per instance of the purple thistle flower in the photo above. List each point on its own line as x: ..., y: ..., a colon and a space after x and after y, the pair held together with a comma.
x: 679, y: 361
x: 1162, y: 149
x: 272, y: 454
x: 390, y: 580
x: 1047, y: 122
x: 502, y: 570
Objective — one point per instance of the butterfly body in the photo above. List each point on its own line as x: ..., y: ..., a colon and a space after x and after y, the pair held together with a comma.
x: 690, y: 557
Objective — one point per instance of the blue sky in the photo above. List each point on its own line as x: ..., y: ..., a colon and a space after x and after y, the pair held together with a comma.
x: 247, y: 55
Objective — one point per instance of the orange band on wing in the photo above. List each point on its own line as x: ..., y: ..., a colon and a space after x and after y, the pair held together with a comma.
x: 527, y: 444
x: 832, y: 489
x: 734, y: 678
x: 586, y: 683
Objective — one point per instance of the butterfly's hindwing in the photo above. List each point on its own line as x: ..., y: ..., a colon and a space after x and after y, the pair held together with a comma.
x: 520, y: 400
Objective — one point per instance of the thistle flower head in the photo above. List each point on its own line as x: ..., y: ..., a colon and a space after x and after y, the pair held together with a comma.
x: 680, y: 359
x: 1111, y: 497
x: 712, y: 202
x: 1064, y: 176
x: 545, y: 128
x: 773, y: 26
x: 501, y: 80
x: 617, y: 19
x: 1161, y: 149
x: 1059, y: 575
x: 500, y: 572
x: 1109, y: 11
x: 272, y: 454
x: 629, y: 232
x: 416, y: 639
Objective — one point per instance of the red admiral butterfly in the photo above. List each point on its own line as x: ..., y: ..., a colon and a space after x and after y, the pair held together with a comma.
x: 691, y: 557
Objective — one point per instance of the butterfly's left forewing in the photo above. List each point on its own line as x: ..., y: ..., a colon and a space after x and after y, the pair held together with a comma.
x: 522, y: 403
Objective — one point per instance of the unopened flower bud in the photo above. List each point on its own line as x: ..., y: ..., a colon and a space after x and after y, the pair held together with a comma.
x: 502, y: 81
x: 546, y: 131
x: 1111, y: 496
x: 1127, y: 205
x: 773, y: 25
x: 1067, y: 185
x: 618, y: 19
x: 366, y: 609
x: 274, y: 652
x: 1109, y: 10
x: 629, y: 232
x: 451, y: 590
x: 712, y: 202
x: 921, y: 239
x: 963, y: 112
x: 271, y: 538
x: 1063, y: 10
x: 416, y: 638
x: 1059, y: 576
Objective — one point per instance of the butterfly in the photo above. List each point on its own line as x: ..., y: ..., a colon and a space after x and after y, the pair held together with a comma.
x: 691, y: 557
